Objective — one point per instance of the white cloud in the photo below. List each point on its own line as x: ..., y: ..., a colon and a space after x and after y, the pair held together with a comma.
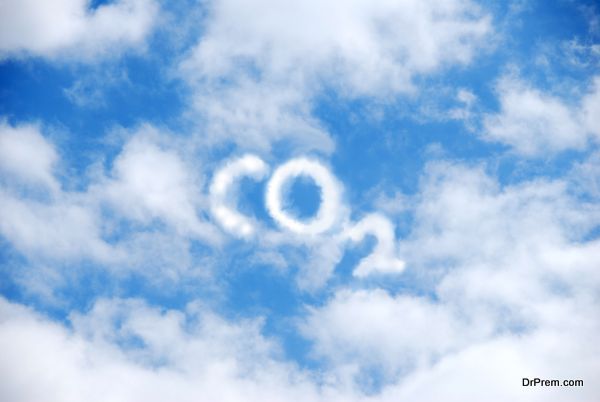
x: 507, y: 273
x: 56, y: 227
x: 499, y: 277
x: 538, y: 123
x: 25, y: 153
x: 61, y: 229
x: 319, y: 257
x: 256, y: 115
x: 143, y: 215
x: 70, y: 28
x: 464, y: 217
x: 370, y: 328
x: 493, y: 370
x: 148, y: 183
x: 369, y: 46
x: 124, y: 350
x: 585, y: 177
x: 257, y: 67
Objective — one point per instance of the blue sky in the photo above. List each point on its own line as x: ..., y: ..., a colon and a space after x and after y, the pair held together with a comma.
x: 299, y: 201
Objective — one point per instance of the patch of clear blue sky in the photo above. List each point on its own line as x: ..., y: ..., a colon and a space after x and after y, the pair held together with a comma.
x: 387, y: 152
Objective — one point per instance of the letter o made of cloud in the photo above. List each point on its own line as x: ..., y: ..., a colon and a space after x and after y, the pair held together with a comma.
x: 330, y: 196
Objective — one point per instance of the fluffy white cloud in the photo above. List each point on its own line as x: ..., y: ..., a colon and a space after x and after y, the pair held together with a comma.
x: 65, y: 228
x: 370, y: 328
x: 25, y: 153
x: 585, y: 177
x: 493, y: 371
x: 148, y: 183
x: 538, y: 123
x: 463, y: 215
x: 256, y: 115
x: 58, y: 225
x: 504, y: 275
x: 259, y: 64
x: 142, y: 210
x: 71, y: 28
x: 369, y: 47
x: 119, y: 219
x: 124, y: 350
x: 500, y: 275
